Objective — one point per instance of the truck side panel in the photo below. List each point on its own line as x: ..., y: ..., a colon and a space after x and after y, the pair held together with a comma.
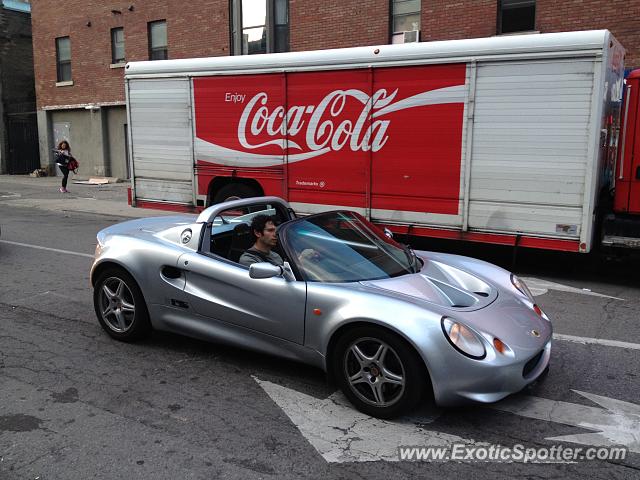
x: 338, y: 174
x: 161, y: 135
x: 420, y: 169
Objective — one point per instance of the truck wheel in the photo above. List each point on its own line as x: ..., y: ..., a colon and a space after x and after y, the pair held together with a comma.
x: 234, y: 191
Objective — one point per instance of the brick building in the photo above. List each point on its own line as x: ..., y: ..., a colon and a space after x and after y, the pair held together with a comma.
x: 80, y: 47
x: 18, y: 130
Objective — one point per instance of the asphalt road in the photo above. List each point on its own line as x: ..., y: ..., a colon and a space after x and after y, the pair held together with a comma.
x: 75, y: 404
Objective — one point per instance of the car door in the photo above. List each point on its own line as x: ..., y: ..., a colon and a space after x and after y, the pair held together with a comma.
x: 219, y: 289
x: 223, y: 291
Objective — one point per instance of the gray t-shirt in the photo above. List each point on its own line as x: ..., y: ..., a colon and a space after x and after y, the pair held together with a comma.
x: 253, y: 256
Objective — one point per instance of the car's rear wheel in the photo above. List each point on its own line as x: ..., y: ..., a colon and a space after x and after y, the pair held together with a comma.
x: 120, y: 306
x: 378, y: 372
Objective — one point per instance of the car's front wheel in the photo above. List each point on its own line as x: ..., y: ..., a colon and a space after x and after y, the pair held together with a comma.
x: 378, y: 372
x: 120, y: 306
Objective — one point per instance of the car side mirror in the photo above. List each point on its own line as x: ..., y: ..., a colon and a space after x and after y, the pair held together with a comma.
x: 264, y: 270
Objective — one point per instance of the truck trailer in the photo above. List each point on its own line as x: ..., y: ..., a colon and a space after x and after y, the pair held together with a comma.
x: 512, y: 140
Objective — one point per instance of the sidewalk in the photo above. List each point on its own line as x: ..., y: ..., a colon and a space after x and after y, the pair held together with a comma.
x: 42, y: 193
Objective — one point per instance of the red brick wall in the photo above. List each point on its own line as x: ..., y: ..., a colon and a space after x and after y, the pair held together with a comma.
x: 198, y: 28
x: 201, y: 28
x: 450, y: 20
x: 622, y: 17
x: 447, y: 20
x: 324, y: 24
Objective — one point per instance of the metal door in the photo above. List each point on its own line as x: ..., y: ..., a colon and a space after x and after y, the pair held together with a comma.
x: 24, y: 152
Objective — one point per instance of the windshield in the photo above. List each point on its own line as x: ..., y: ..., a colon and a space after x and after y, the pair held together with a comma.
x: 344, y: 247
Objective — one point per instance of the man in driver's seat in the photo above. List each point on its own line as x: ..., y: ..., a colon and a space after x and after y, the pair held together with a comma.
x: 264, y: 229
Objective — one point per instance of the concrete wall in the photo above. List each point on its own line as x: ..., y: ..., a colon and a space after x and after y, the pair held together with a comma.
x: 86, y: 129
x: 96, y: 138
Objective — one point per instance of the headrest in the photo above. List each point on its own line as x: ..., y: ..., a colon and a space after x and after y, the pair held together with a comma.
x: 241, y: 229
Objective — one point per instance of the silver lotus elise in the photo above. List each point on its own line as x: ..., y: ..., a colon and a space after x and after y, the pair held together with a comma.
x: 389, y: 325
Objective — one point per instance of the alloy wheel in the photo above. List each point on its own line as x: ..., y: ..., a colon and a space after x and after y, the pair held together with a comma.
x: 117, y: 305
x: 374, y: 372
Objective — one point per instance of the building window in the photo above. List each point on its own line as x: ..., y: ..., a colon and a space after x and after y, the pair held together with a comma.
x: 63, y: 59
x: 259, y: 26
x: 405, y: 16
x: 516, y: 16
x: 117, y: 45
x: 158, y: 40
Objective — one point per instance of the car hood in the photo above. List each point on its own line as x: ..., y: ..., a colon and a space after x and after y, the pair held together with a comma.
x: 441, y: 284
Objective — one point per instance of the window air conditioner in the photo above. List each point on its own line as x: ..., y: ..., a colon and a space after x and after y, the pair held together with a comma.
x: 406, y: 37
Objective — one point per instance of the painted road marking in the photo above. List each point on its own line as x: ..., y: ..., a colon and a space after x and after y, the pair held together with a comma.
x: 38, y: 247
x: 340, y: 433
x: 540, y: 287
x: 618, y: 423
x: 596, y: 341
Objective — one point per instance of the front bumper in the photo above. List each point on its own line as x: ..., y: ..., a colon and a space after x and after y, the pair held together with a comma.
x: 487, y: 383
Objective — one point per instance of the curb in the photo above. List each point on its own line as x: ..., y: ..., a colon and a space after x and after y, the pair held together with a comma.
x: 98, y: 180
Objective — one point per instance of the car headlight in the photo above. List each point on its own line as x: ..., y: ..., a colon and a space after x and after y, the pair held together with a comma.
x: 463, y: 339
x: 521, y: 287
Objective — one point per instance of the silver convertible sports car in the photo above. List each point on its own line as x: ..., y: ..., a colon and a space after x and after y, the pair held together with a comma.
x: 389, y: 325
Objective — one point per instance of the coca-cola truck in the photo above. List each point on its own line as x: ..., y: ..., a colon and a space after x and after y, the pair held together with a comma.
x: 509, y: 140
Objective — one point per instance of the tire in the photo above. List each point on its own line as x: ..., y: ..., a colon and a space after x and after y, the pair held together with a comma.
x: 234, y: 191
x: 120, y: 306
x: 397, y: 375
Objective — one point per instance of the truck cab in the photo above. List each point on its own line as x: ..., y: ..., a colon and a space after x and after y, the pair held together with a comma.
x: 622, y: 226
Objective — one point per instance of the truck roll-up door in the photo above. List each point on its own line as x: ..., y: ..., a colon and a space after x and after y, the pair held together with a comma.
x: 161, y: 138
x: 531, y: 139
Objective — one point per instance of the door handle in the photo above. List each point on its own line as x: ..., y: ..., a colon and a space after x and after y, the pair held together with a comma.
x: 637, y: 173
x: 171, y: 272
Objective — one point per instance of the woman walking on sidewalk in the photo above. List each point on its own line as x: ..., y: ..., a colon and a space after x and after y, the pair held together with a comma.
x: 63, y: 157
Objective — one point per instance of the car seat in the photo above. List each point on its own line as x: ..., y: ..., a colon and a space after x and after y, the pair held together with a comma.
x: 241, y: 240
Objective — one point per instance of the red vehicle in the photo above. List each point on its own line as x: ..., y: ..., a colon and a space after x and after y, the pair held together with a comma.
x: 509, y: 140
x: 622, y: 224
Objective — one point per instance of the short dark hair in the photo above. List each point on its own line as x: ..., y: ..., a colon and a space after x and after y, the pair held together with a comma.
x: 259, y: 222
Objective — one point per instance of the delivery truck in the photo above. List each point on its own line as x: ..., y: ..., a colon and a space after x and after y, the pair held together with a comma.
x: 513, y: 140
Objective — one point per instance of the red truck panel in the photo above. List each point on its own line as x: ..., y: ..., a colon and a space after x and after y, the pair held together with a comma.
x: 627, y: 195
x: 349, y: 137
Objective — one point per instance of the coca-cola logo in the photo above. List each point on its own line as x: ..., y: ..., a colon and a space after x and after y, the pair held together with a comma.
x: 326, y: 126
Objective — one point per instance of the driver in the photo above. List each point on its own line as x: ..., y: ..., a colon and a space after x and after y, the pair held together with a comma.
x: 264, y: 229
